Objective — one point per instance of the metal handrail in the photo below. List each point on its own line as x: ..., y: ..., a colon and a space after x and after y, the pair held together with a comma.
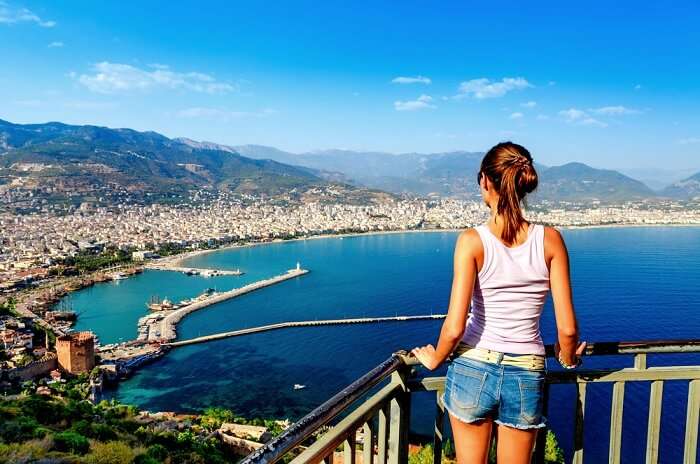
x: 304, y: 428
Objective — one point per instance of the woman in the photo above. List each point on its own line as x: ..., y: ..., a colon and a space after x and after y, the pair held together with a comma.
x: 505, y: 267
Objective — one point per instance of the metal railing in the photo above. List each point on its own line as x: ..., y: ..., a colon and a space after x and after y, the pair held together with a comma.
x: 383, y: 417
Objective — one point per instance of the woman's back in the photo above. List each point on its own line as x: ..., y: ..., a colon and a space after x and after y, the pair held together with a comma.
x: 509, y: 293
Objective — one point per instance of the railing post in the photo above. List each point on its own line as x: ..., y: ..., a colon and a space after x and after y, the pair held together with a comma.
x: 399, y: 419
x: 654, y: 423
x: 349, y: 448
x: 541, y: 442
x: 691, y: 422
x: 579, y: 411
x: 367, y: 443
x: 382, y: 434
x: 439, y: 420
x: 618, y: 401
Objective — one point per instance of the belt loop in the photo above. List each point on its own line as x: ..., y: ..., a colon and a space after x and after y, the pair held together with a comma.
x: 500, y: 358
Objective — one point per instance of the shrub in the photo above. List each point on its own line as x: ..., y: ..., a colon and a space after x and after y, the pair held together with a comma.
x: 71, y: 442
x: 113, y: 452
x: 157, y: 452
x: 145, y: 459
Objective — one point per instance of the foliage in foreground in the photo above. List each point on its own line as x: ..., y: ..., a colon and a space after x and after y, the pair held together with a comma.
x: 35, y: 427
x: 553, y: 454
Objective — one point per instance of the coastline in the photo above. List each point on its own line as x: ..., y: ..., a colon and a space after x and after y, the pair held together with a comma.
x: 179, y: 259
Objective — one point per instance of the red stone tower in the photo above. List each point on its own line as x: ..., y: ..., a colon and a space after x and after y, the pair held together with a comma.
x: 76, y: 352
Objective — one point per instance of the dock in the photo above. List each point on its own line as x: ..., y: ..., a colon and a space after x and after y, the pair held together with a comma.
x: 161, y: 326
x: 284, y: 325
x: 194, y: 270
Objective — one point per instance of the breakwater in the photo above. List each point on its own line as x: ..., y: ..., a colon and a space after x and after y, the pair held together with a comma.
x: 194, y: 270
x: 284, y: 325
x: 161, y: 326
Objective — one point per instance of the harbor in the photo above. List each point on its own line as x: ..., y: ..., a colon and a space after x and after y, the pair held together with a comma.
x: 161, y: 326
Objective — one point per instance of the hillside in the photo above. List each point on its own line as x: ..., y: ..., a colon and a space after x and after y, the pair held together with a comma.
x: 59, y: 160
x: 686, y: 188
x: 577, y: 181
x: 454, y: 174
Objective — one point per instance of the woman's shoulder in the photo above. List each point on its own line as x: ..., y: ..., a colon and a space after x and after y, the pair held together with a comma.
x: 469, y: 240
x: 552, y: 234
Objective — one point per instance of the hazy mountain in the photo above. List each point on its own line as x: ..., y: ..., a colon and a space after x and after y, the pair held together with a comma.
x: 578, y: 181
x: 78, y: 159
x: 454, y: 174
x: 684, y: 189
x: 656, y: 178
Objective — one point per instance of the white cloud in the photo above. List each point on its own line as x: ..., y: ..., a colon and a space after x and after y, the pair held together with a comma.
x: 421, y: 103
x: 485, y: 88
x: 56, y: 45
x: 530, y: 104
x: 412, y: 80
x: 542, y: 117
x: 580, y: 117
x: 112, y: 78
x: 689, y: 141
x: 220, y: 114
x: 614, y: 110
x: 10, y: 15
x: 516, y: 115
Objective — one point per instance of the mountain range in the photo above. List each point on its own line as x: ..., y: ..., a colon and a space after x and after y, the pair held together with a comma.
x: 454, y: 174
x: 55, y: 158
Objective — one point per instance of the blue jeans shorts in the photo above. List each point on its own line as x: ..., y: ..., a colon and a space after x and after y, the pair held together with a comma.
x: 511, y: 395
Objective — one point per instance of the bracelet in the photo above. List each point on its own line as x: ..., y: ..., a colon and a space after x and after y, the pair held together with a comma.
x: 579, y: 361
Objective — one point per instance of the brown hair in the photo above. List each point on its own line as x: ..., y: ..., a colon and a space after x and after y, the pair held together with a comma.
x: 510, y: 169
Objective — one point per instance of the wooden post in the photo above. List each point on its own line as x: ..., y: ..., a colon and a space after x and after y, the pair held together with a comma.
x: 618, y: 400
x: 367, y: 443
x: 399, y: 417
x: 578, y: 427
x: 439, y: 420
x: 382, y: 434
x: 654, y: 425
x: 540, y: 443
x: 691, y: 422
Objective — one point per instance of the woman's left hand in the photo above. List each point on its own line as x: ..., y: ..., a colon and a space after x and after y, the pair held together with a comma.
x: 427, y: 356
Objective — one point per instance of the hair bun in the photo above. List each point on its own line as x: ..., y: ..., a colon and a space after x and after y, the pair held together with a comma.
x: 527, y: 179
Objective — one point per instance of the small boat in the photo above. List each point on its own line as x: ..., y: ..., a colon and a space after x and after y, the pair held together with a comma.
x: 118, y: 276
x: 298, y: 386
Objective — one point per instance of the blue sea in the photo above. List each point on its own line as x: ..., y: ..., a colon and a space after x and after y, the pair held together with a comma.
x: 629, y: 283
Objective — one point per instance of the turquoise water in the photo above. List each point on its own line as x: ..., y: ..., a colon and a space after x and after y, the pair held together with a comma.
x: 629, y: 284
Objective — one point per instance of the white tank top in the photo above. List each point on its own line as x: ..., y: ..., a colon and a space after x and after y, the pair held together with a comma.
x: 509, y: 293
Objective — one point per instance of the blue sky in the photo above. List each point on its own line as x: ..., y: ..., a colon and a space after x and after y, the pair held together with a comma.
x: 610, y: 85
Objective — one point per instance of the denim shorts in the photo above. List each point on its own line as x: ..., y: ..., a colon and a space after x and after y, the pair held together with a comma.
x: 511, y: 395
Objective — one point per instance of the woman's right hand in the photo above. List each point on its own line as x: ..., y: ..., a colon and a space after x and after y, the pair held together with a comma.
x: 568, y: 359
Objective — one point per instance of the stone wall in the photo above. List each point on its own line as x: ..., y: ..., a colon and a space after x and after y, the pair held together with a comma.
x: 34, y: 369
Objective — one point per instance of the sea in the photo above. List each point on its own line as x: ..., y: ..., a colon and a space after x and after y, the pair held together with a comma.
x: 629, y: 284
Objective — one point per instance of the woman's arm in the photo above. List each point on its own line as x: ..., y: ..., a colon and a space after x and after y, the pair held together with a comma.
x: 560, y: 286
x: 465, y: 271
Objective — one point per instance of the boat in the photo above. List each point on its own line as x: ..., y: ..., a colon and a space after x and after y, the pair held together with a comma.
x: 155, y: 304
x: 118, y: 276
x: 298, y: 386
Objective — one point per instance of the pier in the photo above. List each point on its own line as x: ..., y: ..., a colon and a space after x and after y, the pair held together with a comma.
x: 161, y: 326
x: 194, y: 270
x: 284, y: 325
